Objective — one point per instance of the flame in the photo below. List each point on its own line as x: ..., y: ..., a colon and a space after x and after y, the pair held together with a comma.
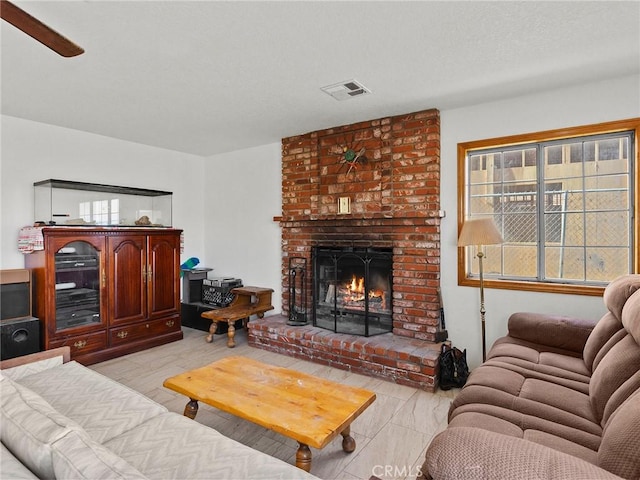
x: 357, y: 284
x: 354, y: 291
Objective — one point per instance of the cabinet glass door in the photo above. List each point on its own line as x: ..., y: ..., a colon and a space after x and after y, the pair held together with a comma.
x: 77, y: 283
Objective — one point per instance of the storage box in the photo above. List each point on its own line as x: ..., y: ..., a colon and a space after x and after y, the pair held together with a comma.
x: 217, y: 291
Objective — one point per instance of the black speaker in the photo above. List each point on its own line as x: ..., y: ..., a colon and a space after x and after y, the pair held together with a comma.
x: 15, y: 294
x: 19, y: 337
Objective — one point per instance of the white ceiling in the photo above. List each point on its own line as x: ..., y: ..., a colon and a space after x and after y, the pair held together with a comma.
x: 206, y: 77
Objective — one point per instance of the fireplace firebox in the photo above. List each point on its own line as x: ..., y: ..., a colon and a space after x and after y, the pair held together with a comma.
x: 352, y: 290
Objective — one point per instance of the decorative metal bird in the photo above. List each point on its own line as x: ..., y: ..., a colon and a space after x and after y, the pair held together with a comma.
x: 351, y: 158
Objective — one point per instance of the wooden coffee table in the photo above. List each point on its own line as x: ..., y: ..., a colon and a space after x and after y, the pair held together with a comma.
x: 309, y: 409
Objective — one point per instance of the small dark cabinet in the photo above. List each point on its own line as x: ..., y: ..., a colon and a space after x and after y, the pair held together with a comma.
x: 192, y: 317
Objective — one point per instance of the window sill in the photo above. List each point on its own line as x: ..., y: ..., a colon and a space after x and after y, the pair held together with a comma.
x: 563, y: 288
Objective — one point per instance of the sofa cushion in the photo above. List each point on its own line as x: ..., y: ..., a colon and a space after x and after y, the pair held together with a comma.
x: 493, y: 423
x: 104, y: 407
x: 29, y: 426
x: 561, y: 445
x: 510, y: 346
x: 573, y: 371
x: 12, y: 468
x: 565, y: 400
x: 77, y: 456
x: 615, y: 298
x: 173, y: 446
x: 568, y: 378
x: 621, y: 363
x: 474, y: 453
x: 618, y: 291
x: 555, y: 332
x: 486, y: 421
x: 620, y: 447
x: 620, y: 396
x: 557, y: 364
x: 529, y: 393
x: 584, y: 434
x: 594, y: 350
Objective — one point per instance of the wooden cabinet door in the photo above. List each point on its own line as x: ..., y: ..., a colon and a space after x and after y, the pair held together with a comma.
x: 163, y: 288
x: 75, y: 284
x: 128, y: 278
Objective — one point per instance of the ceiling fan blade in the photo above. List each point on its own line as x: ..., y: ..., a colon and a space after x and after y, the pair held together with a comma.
x: 38, y: 30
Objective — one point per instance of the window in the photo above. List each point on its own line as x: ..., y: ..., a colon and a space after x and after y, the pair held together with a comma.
x: 564, y: 201
x: 101, y: 212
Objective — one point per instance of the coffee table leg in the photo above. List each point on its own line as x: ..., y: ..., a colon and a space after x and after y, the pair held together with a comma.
x: 230, y: 334
x: 212, y: 330
x: 191, y: 409
x: 303, y: 457
x: 348, y: 442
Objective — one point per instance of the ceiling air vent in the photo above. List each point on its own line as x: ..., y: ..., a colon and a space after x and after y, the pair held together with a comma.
x: 346, y: 89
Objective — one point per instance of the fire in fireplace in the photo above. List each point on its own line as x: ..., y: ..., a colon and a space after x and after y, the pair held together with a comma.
x: 352, y: 290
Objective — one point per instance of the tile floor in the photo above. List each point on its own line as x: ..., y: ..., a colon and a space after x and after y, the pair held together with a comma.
x: 391, y: 435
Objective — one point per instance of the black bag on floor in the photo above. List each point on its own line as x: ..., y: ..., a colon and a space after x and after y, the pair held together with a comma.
x: 454, y: 370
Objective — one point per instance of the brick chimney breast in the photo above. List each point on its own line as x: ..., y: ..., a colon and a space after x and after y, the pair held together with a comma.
x: 394, y: 196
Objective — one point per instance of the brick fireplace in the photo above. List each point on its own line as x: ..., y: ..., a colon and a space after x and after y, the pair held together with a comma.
x: 387, y: 173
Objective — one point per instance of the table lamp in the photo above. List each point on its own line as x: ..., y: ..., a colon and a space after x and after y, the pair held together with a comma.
x: 481, y: 231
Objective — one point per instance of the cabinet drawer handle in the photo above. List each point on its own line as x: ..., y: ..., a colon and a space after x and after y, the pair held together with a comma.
x: 122, y: 334
x: 169, y: 323
x: 80, y: 344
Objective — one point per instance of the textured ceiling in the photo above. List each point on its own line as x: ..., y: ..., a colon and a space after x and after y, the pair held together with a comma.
x: 207, y: 77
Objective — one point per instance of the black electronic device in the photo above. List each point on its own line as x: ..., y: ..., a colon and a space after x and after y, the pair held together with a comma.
x: 192, y: 284
x: 15, y: 294
x: 19, y: 337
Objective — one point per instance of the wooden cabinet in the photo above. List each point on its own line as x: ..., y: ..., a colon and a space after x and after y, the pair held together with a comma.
x: 106, y: 292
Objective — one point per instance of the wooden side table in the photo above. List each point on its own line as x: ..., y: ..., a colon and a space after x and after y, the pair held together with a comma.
x: 247, y: 301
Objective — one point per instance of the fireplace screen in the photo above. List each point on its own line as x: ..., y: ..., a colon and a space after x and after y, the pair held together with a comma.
x: 352, y: 290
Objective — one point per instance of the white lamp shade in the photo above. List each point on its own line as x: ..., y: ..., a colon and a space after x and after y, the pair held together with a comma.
x: 480, y: 231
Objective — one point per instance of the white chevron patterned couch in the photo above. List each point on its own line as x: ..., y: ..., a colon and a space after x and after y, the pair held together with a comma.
x: 62, y: 420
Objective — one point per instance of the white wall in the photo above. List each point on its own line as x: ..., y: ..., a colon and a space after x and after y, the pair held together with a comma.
x: 615, y: 99
x: 34, y: 151
x: 242, y: 195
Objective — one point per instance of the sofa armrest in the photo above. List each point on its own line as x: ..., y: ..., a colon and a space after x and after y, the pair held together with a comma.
x: 567, y: 333
x: 470, y: 453
x: 64, y: 352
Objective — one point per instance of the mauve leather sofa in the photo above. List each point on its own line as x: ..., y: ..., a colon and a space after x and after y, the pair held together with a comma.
x: 557, y: 398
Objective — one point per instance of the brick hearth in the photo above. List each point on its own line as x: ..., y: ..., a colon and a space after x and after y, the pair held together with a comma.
x: 395, y: 201
x: 402, y: 360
